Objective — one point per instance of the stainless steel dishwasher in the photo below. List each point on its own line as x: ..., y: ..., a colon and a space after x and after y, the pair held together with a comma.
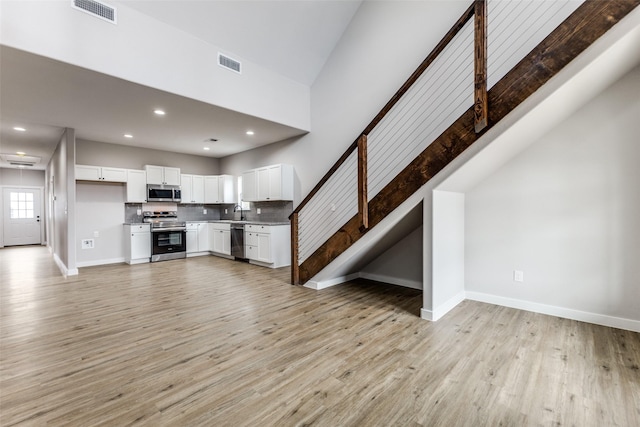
x: 237, y: 241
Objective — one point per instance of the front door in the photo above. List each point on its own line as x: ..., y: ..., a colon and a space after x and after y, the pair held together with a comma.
x: 22, y: 216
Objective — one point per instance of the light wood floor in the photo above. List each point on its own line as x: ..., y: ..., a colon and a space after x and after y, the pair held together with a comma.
x: 211, y: 342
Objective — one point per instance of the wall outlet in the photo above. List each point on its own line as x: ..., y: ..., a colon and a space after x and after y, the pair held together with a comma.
x: 204, y: 211
x: 139, y: 212
x: 518, y: 276
x: 87, y: 244
x: 258, y: 211
x: 226, y: 211
x: 96, y: 234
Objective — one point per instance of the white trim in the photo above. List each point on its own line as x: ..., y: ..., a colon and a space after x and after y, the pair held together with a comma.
x: 567, y: 313
x: 323, y: 284
x: 443, y: 309
x: 413, y: 284
x: 63, y: 268
x: 99, y: 262
x: 331, y: 282
x: 193, y: 254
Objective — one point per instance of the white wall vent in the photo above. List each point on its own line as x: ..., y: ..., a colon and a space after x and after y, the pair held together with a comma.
x: 97, y: 9
x: 229, y: 63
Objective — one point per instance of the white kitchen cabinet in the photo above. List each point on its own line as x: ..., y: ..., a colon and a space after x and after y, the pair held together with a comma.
x: 192, y: 187
x: 219, y: 189
x: 136, y: 186
x: 197, y: 238
x: 162, y: 175
x: 220, y: 238
x: 137, y: 243
x: 249, y: 190
x: 203, y: 237
x: 211, y: 189
x: 100, y: 173
x: 268, y: 245
x: 268, y: 183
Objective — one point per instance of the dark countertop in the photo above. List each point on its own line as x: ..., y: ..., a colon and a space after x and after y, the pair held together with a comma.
x: 248, y: 222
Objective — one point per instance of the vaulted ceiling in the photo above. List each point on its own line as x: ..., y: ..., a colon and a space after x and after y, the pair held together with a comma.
x: 291, y: 38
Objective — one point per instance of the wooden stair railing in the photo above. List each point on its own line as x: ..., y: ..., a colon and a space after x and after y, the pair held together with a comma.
x: 584, y: 26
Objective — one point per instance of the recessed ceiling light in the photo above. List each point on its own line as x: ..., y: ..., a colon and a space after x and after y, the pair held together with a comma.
x: 20, y: 153
x: 159, y: 112
x: 249, y: 132
x: 128, y: 135
x: 19, y: 129
x: 207, y: 148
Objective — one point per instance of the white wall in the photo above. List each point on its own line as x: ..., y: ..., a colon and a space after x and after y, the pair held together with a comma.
x: 100, y: 208
x: 61, y: 200
x: 382, y: 46
x: 122, y: 156
x: 401, y: 264
x: 21, y: 177
x: 448, y: 247
x: 566, y: 211
x: 146, y: 51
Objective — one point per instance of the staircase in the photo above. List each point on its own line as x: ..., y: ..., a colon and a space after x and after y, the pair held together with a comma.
x: 493, y: 58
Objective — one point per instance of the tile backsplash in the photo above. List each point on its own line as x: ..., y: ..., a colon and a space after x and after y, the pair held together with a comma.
x: 269, y: 212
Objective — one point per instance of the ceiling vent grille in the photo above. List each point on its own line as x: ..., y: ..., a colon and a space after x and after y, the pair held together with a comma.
x: 16, y: 160
x: 229, y: 63
x: 96, y: 8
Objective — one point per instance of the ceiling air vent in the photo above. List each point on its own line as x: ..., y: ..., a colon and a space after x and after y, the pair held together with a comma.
x: 16, y: 160
x: 96, y: 8
x: 228, y: 63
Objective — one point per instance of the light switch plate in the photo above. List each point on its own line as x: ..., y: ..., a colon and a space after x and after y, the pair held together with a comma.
x: 204, y: 211
x: 258, y: 211
x: 518, y: 276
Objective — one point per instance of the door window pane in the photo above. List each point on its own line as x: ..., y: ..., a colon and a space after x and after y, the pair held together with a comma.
x: 21, y: 205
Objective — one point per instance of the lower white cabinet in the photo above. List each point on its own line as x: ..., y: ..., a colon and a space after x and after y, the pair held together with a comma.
x: 197, y: 238
x: 268, y: 245
x: 220, y: 238
x: 137, y: 243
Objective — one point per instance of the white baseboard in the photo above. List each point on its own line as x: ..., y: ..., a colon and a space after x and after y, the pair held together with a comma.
x: 194, y: 254
x: 332, y: 282
x: 567, y: 313
x: 413, y: 284
x: 99, y: 262
x: 442, y: 309
x: 323, y: 284
x: 63, y: 268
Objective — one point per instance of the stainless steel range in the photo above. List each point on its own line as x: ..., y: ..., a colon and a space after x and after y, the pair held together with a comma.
x: 168, y: 235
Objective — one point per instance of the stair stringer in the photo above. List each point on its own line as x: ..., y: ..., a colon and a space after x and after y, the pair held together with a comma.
x: 599, y: 65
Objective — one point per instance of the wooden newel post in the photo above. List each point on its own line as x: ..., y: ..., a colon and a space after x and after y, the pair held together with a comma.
x: 363, y: 198
x: 480, y: 66
x: 295, y: 268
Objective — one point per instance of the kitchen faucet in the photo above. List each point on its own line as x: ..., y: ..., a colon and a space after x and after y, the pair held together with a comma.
x: 235, y: 209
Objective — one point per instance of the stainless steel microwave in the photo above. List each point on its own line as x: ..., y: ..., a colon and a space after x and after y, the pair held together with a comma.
x: 163, y: 193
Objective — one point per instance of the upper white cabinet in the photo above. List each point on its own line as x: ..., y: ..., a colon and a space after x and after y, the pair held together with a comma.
x: 268, y: 183
x: 136, y: 186
x: 192, y: 187
x: 219, y: 189
x: 162, y: 175
x: 98, y: 173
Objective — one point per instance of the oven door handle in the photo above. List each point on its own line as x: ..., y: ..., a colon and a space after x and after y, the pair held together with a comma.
x: 154, y: 230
